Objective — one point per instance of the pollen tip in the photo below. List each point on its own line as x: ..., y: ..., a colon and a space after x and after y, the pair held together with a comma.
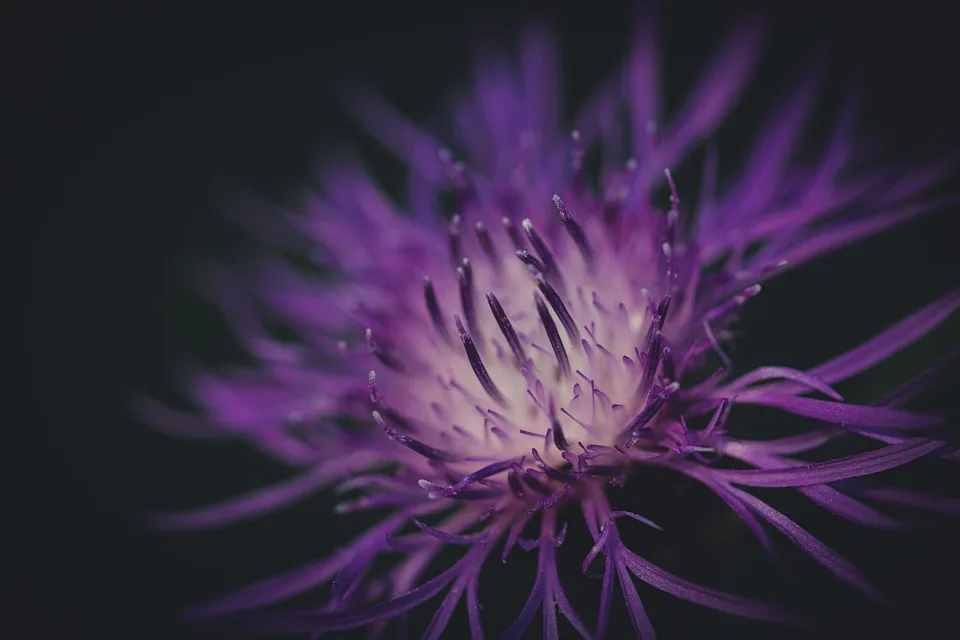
x: 527, y: 224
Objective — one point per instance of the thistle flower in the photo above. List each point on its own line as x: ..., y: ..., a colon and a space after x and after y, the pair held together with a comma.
x: 504, y: 368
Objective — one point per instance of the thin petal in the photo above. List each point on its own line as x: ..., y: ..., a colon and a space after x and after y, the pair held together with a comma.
x: 261, y: 501
x: 769, y: 373
x: 860, y: 464
x: 704, y: 596
x: 845, y: 415
x: 311, y: 621
x: 878, y: 348
x: 820, y: 552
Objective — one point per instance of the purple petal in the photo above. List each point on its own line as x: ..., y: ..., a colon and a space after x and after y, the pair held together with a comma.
x: 630, y: 514
x: 781, y: 446
x: 847, y: 414
x: 881, y: 346
x: 850, y: 509
x: 844, y: 234
x: 310, y: 621
x: 830, y: 559
x: 920, y: 382
x: 473, y: 611
x: 451, y: 538
x: 860, y: 464
x: 715, y: 94
x: 291, y: 583
x: 261, y: 501
x: 638, y: 615
x: 417, y: 148
x: 741, y: 510
x: 768, y: 373
x: 442, y: 616
x: 704, y: 596
x: 909, y: 498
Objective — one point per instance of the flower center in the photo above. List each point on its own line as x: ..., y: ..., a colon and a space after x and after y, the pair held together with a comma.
x: 554, y: 352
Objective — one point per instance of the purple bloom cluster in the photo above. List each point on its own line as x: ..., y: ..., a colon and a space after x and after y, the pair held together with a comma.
x: 516, y: 360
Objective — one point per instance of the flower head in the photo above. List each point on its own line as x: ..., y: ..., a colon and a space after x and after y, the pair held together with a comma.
x: 530, y: 352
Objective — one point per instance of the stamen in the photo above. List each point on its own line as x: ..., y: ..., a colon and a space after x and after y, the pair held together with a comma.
x: 477, y: 364
x: 433, y: 308
x: 465, y: 282
x: 513, y: 233
x: 515, y: 485
x: 506, y: 328
x: 648, y: 412
x: 550, y: 269
x: 486, y: 244
x: 530, y: 260
x: 382, y: 355
x: 561, y: 310
x: 415, y: 445
x: 662, y: 308
x: 652, y: 363
x: 551, y: 328
x: 558, y: 437
x: 576, y: 232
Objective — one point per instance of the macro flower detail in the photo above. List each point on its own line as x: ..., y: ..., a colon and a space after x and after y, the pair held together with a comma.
x: 509, y: 365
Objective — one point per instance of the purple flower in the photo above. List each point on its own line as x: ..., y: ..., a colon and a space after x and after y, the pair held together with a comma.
x: 504, y: 368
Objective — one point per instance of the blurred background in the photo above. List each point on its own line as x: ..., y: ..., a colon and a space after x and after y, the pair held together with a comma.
x: 131, y: 125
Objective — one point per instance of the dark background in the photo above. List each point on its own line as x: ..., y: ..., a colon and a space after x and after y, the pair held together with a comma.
x: 129, y: 123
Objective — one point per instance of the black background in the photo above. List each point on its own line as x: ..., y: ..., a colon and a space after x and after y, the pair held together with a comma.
x: 127, y: 125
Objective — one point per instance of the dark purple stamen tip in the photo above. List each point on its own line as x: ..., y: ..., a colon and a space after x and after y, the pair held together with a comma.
x: 575, y: 231
x: 514, y: 233
x: 382, y: 355
x: 433, y: 308
x: 412, y: 444
x: 477, y: 364
x: 559, y: 439
x: 530, y: 480
x: 486, y: 245
x: 509, y: 333
x: 653, y: 354
x: 550, y: 268
x: 530, y: 260
x: 559, y: 308
x: 515, y: 485
x: 662, y: 308
x: 660, y: 396
x: 465, y: 284
x: 555, y: 341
